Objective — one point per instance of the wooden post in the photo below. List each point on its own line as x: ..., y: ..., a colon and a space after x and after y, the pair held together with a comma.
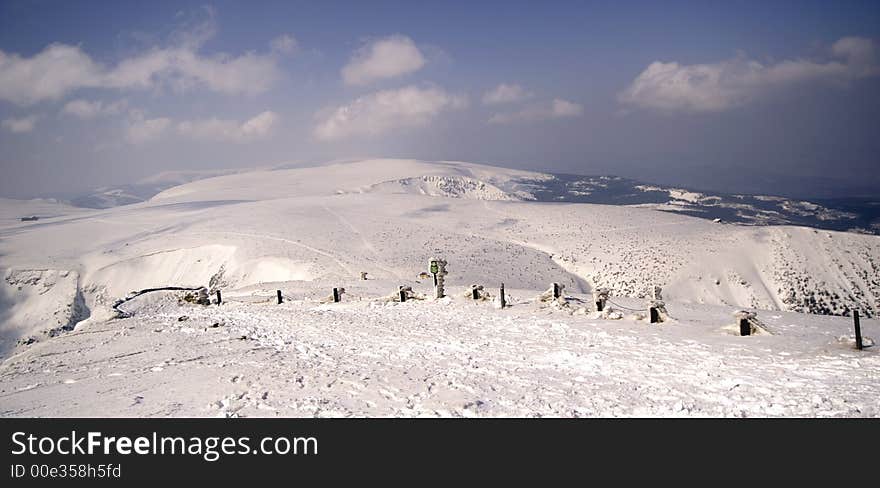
x: 503, y: 300
x: 402, y: 294
x: 859, y: 345
x: 745, y: 328
x: 655, y: 315
x: 475, y: 294
x: 555, y: 290
x: 279, y: 297
x: 336, y: 295
x: 219, y: 298
x: 600, y: 305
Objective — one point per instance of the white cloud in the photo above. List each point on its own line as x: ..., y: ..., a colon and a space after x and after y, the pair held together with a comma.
x: 505, y: 93
x: 60, y: 69
x: 142, y: 130
x: 734, y: 82
x: 556, y: 109
x: 20, y: 125
x: 564, y: 108
x: 86, y: 109
x: 383, y: 58
x: 284, y: 44
x: 49, y: 74
x: 385, y: 110
x: 193, y: 30
x: 220, y: 130
x: 183, y: 69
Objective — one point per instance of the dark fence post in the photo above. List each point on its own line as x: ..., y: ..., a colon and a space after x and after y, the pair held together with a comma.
x: 745, y: 328
x: 279, y: 297
x: 219, y: 298
x: 503, y: 300
x: 402, y: 293
x: 600, y: 305
x: 555, y: 290
x: 859, y: 345
x: 655, y: 315
x: 336, y: 295
x: 475, y: 294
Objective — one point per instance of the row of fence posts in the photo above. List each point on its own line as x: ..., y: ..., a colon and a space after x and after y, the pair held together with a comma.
x: 557, y: 288
x: 745, y: 327
x: 280, y: 298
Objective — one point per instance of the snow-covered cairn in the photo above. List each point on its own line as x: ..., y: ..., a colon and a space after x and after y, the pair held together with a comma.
x: 408, y: 293
x: 200, y: 297
x: 554, y: 295
x: 330, y: 298
x: 747, y: 323
x: 660, y: 306
x: 477, y: 292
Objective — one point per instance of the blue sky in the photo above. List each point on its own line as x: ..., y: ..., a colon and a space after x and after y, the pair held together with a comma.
x: 741, y: 96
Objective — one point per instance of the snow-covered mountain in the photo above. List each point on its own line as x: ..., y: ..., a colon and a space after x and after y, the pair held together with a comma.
x: 844, y: 214
x: 307, y: 230
x: 115, y: 196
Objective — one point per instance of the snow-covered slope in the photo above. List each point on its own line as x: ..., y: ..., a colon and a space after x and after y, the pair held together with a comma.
x: 368, y: 176
x: 452, y: 357
x: 115, y: 196
x: 464, y: 180
x: 307, y: 230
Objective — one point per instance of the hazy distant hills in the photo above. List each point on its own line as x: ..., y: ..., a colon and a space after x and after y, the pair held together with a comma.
x: 844, y: 214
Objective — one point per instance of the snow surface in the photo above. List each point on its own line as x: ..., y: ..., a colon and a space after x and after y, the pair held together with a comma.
x: 307, y: 230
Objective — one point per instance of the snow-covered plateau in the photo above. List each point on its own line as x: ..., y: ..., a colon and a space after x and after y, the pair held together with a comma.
x: 67, y: 352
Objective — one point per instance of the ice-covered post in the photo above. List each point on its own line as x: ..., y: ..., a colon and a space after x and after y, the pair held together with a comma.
x: 336, y: 295
x: 402, y: 293
x: 363, y: 275
x: 600, y: 296
x: 503, y: 299
x: 219, y: 298
x: 279, y: 296
x: 858, y: 327
x: 438, y: 269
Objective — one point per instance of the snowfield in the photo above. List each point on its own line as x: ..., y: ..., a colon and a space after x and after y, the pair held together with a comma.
x: 304, y: 231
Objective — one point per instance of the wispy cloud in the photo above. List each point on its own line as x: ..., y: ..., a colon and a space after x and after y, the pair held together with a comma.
x: 506, y: 93
x: 720, y: 86
x: 141, y: 130
x: 388, y: 57
x: 85, y: 109
x: 60, y: 69
x: 20, y: 125
x: 555, y: 109
x: 284, y: 44
x: 219, y: 130
x: 379, y: 112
